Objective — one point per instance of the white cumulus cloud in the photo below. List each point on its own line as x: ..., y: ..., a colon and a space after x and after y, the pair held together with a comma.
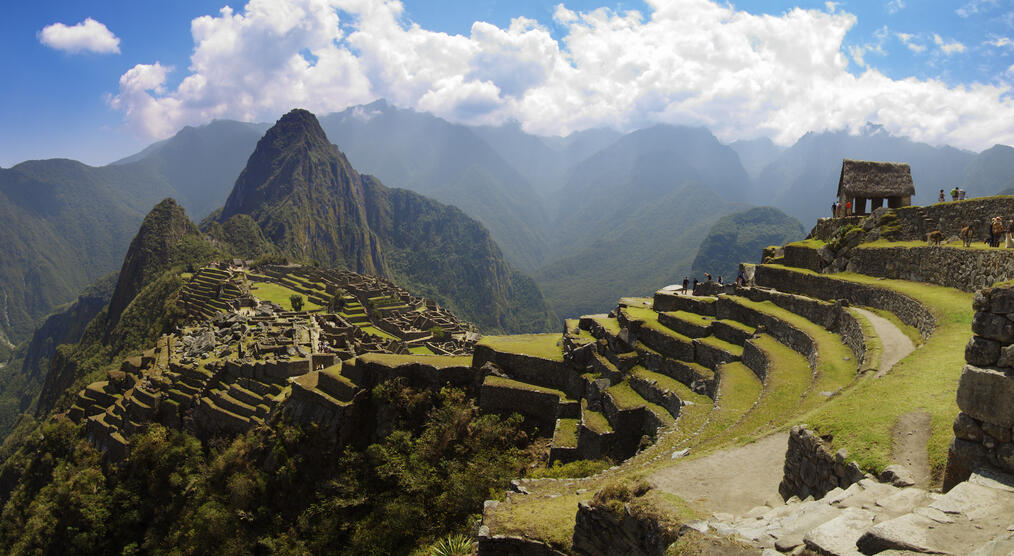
x: 694, y: 62
x: 87, y: 36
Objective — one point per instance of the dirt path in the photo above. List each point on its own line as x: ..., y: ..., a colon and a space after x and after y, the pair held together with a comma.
x: 733, y: 481
x: 911, y: 434
x: 896, y: 344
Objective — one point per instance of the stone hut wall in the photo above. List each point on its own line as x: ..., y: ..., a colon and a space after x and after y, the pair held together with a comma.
x: 811, y: 469
x: 982, y: 429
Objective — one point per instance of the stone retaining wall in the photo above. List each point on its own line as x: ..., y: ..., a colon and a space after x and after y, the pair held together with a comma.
x: 910, y: 311
x: 540, y: 409
x: 952, y: 216
x: 600, y: 532
x: 785, y: 333
x: 811, y: 469
x: 963, y: 269
x: 982, y: 429
x: 803, y: 256
x: 755, y: 360
x: 531, y: 369
x: 832, y: 316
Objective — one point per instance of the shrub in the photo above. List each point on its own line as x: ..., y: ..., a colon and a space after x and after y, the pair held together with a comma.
x: 452, y: 545
x: 297, y: 302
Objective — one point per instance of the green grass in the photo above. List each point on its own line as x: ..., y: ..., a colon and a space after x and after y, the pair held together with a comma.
x: 668, y: 383
x: 649, y: 319
x: 834, y: 371
x: 610, y: 325
x: 370, y: 329
x: 809, y: 243
x: 626, y: 398
x: 565, y: 435
x: 787, y: 381
x: 549, y: 519
x: 546, y: 346
x: 693, y: 318
x: 594, y: 420
x: 493, y: 380
x: 420, y: 350
x: 884, y: 243
x: 738, y: 389
x: 279, y: 294
x: 738, y: 325
x: 721, y: 344
x: 926, y: 380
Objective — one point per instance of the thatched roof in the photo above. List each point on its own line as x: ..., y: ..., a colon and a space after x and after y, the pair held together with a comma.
x: 867, y: 179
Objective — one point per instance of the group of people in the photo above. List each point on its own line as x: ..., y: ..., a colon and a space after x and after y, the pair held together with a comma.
x: 740, y: 281
x: 998, y: 231
x: 838, y: 210
x: 957, y: 194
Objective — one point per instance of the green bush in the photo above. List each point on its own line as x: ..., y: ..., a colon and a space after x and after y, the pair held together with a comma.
x: 296, y: 301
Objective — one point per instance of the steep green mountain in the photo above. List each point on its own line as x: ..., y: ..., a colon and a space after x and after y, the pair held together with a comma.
x: 740, y: 237
x: 991, y: 172
x: 142, y: 305
x: 449, y: 163
x: 803, y: 181
x: 312, y: 204
x: 64, y: 226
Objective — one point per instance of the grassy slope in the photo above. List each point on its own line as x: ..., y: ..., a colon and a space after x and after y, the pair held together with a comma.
x: 926, y: 380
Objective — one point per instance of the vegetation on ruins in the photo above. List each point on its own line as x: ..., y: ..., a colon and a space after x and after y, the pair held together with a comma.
x: 296, y: 301
x: 420, y: 483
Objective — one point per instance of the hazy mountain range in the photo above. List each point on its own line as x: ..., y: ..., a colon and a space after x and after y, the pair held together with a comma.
x: 591, y: 216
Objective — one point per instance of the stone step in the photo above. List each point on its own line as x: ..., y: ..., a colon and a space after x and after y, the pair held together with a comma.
x: 732, y: 331
x: 686, y: 323
x: 223, y: 400
x: 565, y: 441
x: 711, y: 352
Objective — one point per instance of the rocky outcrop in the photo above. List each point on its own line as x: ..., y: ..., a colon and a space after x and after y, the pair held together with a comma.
x: 982, y: 429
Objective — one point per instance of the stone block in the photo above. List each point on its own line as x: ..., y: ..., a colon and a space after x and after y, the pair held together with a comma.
x: 1005, y: 456
x: 1001, y: 300
x: 967, y: 428
x: 998, y: 433
x: 987, y: 395
x: 962, y: 458
x: 1006, y: 358
x: 993, y: 326
x: 982, y: 352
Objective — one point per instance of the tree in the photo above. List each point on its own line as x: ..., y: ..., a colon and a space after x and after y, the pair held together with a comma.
x: 297, y: 302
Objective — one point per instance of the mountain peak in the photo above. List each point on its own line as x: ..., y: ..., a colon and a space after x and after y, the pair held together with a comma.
x: 297, y: 124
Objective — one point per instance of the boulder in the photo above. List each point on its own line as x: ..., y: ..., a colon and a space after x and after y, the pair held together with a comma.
x: 993, y: 326
x: 897, y: 475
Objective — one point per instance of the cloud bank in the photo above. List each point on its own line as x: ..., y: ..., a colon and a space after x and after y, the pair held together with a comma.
x: 87, y: 36
x: 693, y: 62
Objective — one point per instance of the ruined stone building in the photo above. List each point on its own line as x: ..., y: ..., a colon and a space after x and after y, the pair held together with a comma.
x: 863, y: 180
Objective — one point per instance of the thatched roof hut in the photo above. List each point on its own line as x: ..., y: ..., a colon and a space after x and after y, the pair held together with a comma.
x: 864, y: 179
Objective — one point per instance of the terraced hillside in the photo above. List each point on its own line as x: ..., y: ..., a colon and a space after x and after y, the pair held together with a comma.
x: 792, y: 348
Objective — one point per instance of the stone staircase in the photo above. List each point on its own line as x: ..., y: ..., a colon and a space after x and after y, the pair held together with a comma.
x: 870, y: 517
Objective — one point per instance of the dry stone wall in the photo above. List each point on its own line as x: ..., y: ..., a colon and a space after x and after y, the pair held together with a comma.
x: 910, y: 311
x: 982, y: 429
x: 963, y: 269
x: 811, y: 469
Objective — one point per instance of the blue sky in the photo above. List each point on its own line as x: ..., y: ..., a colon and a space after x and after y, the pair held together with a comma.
x: 940, y: 74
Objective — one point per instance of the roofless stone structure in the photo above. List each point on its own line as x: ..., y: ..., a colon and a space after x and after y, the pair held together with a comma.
x: 863, y: 179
